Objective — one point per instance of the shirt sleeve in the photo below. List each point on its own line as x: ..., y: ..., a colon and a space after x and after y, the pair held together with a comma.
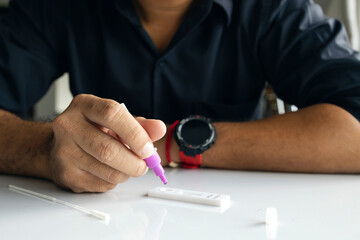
x: 28, y: 57
x: 307, y: 57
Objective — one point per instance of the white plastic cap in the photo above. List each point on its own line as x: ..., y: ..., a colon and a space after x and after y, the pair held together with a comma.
x: 271, y: 222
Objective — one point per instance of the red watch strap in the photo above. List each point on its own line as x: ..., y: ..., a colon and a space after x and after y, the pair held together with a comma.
x: 186, y: 161
x: 168, y: 140
x: 189, y: 161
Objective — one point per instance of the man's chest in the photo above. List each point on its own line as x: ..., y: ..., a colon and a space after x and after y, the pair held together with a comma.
x: 207, y: 68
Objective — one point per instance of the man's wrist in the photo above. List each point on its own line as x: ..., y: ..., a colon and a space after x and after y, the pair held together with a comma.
x: 46, y: 142
x: 29, y: 150
x: 174, y: 150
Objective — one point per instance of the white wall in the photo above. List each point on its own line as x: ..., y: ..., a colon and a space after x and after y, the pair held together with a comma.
x: 55, y: 101
x: 348, y: 12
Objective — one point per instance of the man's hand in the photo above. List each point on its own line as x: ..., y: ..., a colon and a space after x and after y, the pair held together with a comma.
x: 97, y: 144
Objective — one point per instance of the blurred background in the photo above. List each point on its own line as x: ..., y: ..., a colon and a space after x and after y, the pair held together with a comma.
x: 59, y: 96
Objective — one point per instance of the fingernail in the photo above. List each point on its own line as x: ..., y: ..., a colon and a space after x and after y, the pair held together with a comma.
x: 147, y: 150
x: 147, y: 169
x: 123, y: 104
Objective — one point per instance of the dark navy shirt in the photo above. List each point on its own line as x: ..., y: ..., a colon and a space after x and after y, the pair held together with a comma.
x: 217, y: 64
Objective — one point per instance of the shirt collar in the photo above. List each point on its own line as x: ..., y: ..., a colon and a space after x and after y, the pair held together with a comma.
x: 126, y: 8
x: 227, y: 5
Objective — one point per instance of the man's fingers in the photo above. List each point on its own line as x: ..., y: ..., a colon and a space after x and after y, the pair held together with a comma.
x: 114, y: 116
x: 103, y: 171
x: 90, y: 183
x: 108, y: 150
x: 156, y: 129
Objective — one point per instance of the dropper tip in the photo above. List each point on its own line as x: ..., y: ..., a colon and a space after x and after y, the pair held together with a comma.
x: 163, y: 179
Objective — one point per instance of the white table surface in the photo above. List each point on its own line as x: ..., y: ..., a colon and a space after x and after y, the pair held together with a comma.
x: 309, y: 207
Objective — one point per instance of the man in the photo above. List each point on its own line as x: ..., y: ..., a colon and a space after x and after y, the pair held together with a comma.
x: 168, y: 59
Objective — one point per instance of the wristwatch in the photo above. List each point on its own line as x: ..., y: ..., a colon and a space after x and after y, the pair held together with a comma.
x: 194, y: 135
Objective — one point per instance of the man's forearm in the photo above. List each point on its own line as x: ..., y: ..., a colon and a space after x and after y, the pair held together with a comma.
x: 24, y: 146
x: 322, y: 138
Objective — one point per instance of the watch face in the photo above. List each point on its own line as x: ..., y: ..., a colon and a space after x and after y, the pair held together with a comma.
x: 195, y: 132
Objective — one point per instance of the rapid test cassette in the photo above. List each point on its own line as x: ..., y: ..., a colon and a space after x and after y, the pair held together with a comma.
x: 183, y: 195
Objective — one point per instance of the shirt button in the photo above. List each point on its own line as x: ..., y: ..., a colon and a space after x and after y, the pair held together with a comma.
x: 161, y: 63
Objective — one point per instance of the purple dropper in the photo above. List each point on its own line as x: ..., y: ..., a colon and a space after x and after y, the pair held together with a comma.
x: 154, y: 162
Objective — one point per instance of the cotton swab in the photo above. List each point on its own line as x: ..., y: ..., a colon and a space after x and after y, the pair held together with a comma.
x: 97, y: 214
